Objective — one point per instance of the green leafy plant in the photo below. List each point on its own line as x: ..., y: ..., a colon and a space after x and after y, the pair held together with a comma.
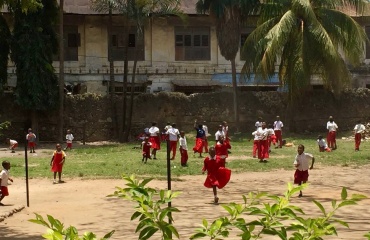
x: 3, y: 126
x: 275, y: 218
x: 152, y: 208
x: 56, y: 230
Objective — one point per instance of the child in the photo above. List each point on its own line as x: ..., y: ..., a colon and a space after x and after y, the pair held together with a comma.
x: 12, y: 144
x: 358, y: 130
x: 322, y: 144
x: 4, y: 177
x: 255, y: 143
x: 199, y: 140
x: 301, y: 163
x: 145, y: 146
x: 57, y: 162
x: 217, y: 176
x: 183, y: 149
x: 69, y: 138
x: 271, y: 138
x: 31, y: 138
x: 221, y: 149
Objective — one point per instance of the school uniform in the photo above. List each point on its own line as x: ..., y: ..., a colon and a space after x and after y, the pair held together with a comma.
x: 173, y: 134
x: 323, y: 146
x: 359, y: 130
x: 262, y: 146
x: 216, y: 174
x: 301, y: 173
x: 154, y: 138
x: 145, y: 146
x: 222, y: 151
x: 332, y: 134
x: 183, y: 150
x: 199, y: 142
x: 278, y: 125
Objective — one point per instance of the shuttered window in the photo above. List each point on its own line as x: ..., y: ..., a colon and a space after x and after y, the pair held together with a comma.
x: 192, y: 43
x: 135, y: 45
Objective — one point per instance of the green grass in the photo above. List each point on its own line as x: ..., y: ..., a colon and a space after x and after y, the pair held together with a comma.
x: 111, y: 161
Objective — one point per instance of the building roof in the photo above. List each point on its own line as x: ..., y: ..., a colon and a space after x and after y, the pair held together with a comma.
x: 83, y: 7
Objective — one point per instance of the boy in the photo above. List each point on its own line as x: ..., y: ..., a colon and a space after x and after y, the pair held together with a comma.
x: 301, y: 163
x: 183, y: 149
x: 31, y: 138
x: 322, y: 144
x: 12, y: 144
x: 145, y: 146
x: 358, y: 130
x: 69, y: 138
x: 4, y: 177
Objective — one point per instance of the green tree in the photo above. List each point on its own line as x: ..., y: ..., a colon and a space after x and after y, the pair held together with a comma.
x: 229, y: 16
x: 139, y: 12
x: 311, y: 39
x: 33, y: 44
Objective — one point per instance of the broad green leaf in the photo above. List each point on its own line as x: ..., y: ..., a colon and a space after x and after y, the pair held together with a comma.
x: 108, y: 235
x: 341, y: 222
x: 173, y: 230
x: 205, y: 223
x: 145, y: 182
x: 135, y: 215
x: 198, y: 235
x: 145, y: 231
x: 343, y: 195
x: 320, y: 206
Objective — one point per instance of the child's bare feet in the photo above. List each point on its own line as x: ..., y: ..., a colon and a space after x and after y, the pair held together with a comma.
x: 216, y: 200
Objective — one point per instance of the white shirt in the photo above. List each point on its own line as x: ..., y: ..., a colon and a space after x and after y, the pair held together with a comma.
x: 256, y: 137
x: 218, y: 134
x: 205, y: 128
x: 183, y: 143
x: 4, y: 175
x: 262, y: 133
x: 173, y: 134
x: 303, y: 160
x: 359, y: 128
x: 225, y: 130
x: 322, y: 143
x: 12, y: 142
x: 153, y: 131
x: 167, y: 127
x: 69, y: 138
x: 278, y: 125
x: 270, y: 132
x: 331, y: 126
x: 258, y: 124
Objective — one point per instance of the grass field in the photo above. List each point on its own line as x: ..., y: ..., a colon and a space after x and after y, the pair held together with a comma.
x: 113, y: 160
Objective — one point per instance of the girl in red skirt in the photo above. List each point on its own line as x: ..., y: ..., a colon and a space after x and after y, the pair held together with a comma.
x: 217, y: 176
x: 57, y: 162
x: 200, y: 138
x: 146, y: 145
x: 301, y: 164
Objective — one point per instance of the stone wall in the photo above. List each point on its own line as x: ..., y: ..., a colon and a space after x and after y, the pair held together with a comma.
x: 91, y: 114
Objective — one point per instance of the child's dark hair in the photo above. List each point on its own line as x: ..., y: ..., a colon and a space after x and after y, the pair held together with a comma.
x: 319, y: 137
x: 4, y: 163
x: 301, y: 146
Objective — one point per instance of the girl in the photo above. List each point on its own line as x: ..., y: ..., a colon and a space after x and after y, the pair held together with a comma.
x: 145, y: 146
x: 69, y: 139
x: 57, y: 162
x: 4, y: 177
x: 199, y: 140
x: 301, y: 163
x: 154, y: 139
x: 217, y: 176
x: 221, y: 149
x: 31, y: 138
x: 12, y: 144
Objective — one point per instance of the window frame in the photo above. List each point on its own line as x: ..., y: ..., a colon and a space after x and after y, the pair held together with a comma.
x: 195, y: 44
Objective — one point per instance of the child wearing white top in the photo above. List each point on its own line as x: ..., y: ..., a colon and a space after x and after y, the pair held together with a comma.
x: 69, y: 139
x: 301, y: 164
x: 322, y: 144
x: 183, y: 149
x: 358, y: 130
x: 332, y: 133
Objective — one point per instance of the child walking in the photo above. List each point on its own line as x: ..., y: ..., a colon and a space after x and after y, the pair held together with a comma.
x: 31, y: 138
x: 12, y: 144
x: 217, y: 176
x: 57, y: 162
x: 145, y: 146
x: 69, y: 138
x: 183, y: 149
x: 301, y: 164
x: 4, y: 177
x: 358, y: 131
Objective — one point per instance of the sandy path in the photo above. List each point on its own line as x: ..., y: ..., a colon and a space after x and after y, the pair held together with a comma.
x: 82, y: 203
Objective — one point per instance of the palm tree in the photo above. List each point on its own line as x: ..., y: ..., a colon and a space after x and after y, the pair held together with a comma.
x: 311, y: 39
x: 229, y: 16
x: 140, y: 13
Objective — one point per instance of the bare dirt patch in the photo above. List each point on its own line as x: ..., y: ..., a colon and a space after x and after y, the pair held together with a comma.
x: 83, y: 203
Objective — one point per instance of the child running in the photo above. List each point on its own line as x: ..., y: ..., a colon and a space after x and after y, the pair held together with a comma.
x: 183, y: 149
x: 69, y: 139
x: 301, y: 164
x: 145, y: 146
x: 217, y: 176
x: 57, y: 162
x: 4, y: 177
x: 12, y: 144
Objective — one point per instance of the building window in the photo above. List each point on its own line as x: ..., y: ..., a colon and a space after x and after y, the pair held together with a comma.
x: 243, y: 37
x: 192, y: 43
x: 367, y: 30
x: 72, y: 41
x: 135, y: 45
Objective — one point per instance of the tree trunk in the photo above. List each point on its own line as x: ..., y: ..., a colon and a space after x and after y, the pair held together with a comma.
x: 61, y: 72
x: 111, y: 77
x: 235, y: 94
x: 125, y: 76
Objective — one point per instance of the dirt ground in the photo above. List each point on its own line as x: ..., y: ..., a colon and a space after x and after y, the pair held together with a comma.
x: 83, y: 203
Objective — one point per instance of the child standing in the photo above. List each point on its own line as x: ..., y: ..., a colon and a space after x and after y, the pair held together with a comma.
x: 57, y: 162
x: 183, y: 149
x: 145, y: 146
x: 31, y: 138
x: 322, y: 144
x: 301, y: 164
x: 217, y: 176
x: 69, y: 138
x: 358, y: 130
x: 221, y: 149
x: 12, y: 144
x: 4, y: 177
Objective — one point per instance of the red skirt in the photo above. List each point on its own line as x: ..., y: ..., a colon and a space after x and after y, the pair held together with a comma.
x: 156, y: 144
x: 219, y: 179
x: 198, y: 145
x: 300, y: 176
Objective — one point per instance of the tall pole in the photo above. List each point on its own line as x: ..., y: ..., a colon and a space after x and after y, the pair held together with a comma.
x: 169, y: 175
x: 26, y: 168
x: 61, y: 71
